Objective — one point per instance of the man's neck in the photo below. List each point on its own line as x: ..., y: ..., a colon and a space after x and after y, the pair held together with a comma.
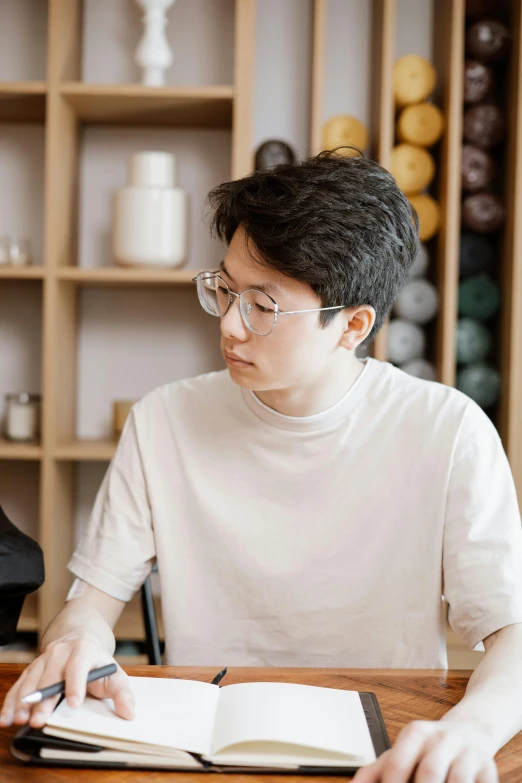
x: 318, y: 395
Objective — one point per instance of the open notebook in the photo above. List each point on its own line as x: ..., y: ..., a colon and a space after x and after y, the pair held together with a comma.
x: 186, y: 724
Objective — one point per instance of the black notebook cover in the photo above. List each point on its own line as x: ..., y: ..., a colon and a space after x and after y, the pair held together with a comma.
x: 28, y: 742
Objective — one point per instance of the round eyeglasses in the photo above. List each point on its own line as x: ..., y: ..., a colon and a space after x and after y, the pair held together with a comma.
x: 258, y: 310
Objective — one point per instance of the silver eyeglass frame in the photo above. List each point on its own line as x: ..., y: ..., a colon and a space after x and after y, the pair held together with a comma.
x: 277, y: 311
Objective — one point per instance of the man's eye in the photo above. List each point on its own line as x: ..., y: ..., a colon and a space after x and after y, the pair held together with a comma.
x: 222, y: 290
x: 264, y: 309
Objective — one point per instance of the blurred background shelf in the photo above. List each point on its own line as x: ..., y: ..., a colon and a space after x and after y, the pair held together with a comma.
x: 22, y: 101
x: 129, y: 104
x: 86, y: 451
x: 121, y: 276
x: 19, y: 451
x: 22, y: 273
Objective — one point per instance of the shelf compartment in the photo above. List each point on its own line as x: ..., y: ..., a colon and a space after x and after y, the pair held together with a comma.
x: 22, y: 273
x: 19, y: 451
x: 86, y: 451
x: 130, y: 104
x: 121, y: 276
x: 22, y: 101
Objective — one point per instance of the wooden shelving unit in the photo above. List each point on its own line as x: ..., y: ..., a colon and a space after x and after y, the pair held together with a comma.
x: 22, y: 101
x: 64, y: 105
x: 121, y: 276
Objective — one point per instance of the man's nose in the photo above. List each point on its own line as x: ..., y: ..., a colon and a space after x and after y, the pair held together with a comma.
x: 232, y: 323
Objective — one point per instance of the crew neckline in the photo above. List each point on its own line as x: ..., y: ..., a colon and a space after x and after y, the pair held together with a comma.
x: 324, y: 419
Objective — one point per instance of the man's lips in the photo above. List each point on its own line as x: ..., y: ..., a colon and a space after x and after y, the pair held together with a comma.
x: 232, y: 357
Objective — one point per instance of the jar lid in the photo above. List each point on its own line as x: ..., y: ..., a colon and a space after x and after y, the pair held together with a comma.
x: 23, y: 398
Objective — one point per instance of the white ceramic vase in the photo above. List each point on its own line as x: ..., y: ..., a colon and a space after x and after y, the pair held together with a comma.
x: 150, y: 214
x: 153, y: 54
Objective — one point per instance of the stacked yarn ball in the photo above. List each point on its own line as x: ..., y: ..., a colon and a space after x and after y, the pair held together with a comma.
x: 487, y: 45
x: 420, y: 125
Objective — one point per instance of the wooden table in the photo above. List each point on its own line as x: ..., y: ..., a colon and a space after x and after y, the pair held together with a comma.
x: 404, y: 695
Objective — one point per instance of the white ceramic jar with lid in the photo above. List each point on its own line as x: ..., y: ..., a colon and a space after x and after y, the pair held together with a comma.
x: 150, y: 214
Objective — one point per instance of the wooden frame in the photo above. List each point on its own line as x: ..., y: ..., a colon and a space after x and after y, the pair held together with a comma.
x: 63, y: 103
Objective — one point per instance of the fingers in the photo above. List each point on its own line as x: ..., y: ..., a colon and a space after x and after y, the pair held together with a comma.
x: 470, y: 768
x: 13, y: 711
x: 117, y: 688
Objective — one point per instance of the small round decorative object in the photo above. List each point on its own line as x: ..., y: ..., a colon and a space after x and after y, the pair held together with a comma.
x: 418, y: 301
x: 473, y: 341
x: 479, y: 81
x: 484, y: 125
x: 476, y: 8
x: 273, y: 152
x: 406, y: 341
x: 429, y: 215
x: 414, y: 79
x: 420, y: 368
x: 413, y: 168
x: 477, y: 169
x: 488, y: 40
x: 481, y: 382
x: 479, y: 297
x: 421, y: 262
x: 421, y: 124
x: 482, y: 212
x: 343, y: 130
x: 476, y: 254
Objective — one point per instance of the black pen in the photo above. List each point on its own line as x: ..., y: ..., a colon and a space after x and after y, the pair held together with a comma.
x: 53, y: 690
x: 217, y: 679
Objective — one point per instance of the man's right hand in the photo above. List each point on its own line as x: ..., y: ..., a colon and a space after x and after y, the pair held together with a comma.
x: 68, y: 658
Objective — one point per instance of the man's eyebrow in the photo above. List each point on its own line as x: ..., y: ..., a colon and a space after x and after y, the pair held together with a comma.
x: 267, y: 288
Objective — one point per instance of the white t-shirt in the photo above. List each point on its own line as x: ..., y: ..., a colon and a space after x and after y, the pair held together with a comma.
x: 327, y: 540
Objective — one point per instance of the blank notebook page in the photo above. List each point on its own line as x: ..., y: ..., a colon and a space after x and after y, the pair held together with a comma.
x: 169, y: 713
x: 322, y: 718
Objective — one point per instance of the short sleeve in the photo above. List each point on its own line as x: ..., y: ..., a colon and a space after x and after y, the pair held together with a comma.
x: 482, y: 546
x: 117, y: 550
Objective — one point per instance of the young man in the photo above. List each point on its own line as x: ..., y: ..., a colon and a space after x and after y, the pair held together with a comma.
x: 307, y: 508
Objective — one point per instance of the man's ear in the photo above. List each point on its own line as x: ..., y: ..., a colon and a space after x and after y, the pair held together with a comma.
x: 359, y: 323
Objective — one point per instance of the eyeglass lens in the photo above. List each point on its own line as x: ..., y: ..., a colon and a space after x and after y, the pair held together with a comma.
x: 257, y: 309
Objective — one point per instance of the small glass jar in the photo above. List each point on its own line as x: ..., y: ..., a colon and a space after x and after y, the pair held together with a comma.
x: 20, y: 252
x: 22, y: 417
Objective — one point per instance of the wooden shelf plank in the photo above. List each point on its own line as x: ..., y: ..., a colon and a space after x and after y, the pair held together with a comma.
x: 22, y: 101
x: 86, y: 450
x: 130, y: 624
x: 19, y: 451
x: 22, y: 272
x: 134, y: 104
x: 123, y: 276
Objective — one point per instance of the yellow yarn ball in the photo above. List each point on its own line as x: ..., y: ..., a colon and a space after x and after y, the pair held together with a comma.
x: 429, y: 215
x: 414, y: 79
x: 413, y: 168
x: 421, y: 123
x: 342, y: 130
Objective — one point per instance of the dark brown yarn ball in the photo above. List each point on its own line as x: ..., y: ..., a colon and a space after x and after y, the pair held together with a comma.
x: 479, y: 81
x: 484, y: 125
x: 482, y: 212
x: 272, y: 153
x: 476, y: 8
x: 488, y: 40
x: 478, y: 169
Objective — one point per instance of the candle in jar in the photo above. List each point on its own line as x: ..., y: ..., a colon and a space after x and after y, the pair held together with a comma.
x: 22, y: 421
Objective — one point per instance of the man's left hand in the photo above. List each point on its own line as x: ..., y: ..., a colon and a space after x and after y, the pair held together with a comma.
x: 435, y: 752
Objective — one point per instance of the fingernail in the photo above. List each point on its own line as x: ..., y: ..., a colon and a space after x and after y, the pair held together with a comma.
x: 21, y: 715
x: 4, y: 720
x: 73, y: 702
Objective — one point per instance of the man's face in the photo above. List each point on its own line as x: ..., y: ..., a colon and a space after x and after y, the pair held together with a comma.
x: 298, y: 351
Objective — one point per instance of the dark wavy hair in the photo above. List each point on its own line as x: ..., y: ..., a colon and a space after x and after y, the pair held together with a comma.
x: 340, y: 224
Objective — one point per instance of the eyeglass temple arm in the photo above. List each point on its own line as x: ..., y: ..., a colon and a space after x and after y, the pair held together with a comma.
x: 311, y: 310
